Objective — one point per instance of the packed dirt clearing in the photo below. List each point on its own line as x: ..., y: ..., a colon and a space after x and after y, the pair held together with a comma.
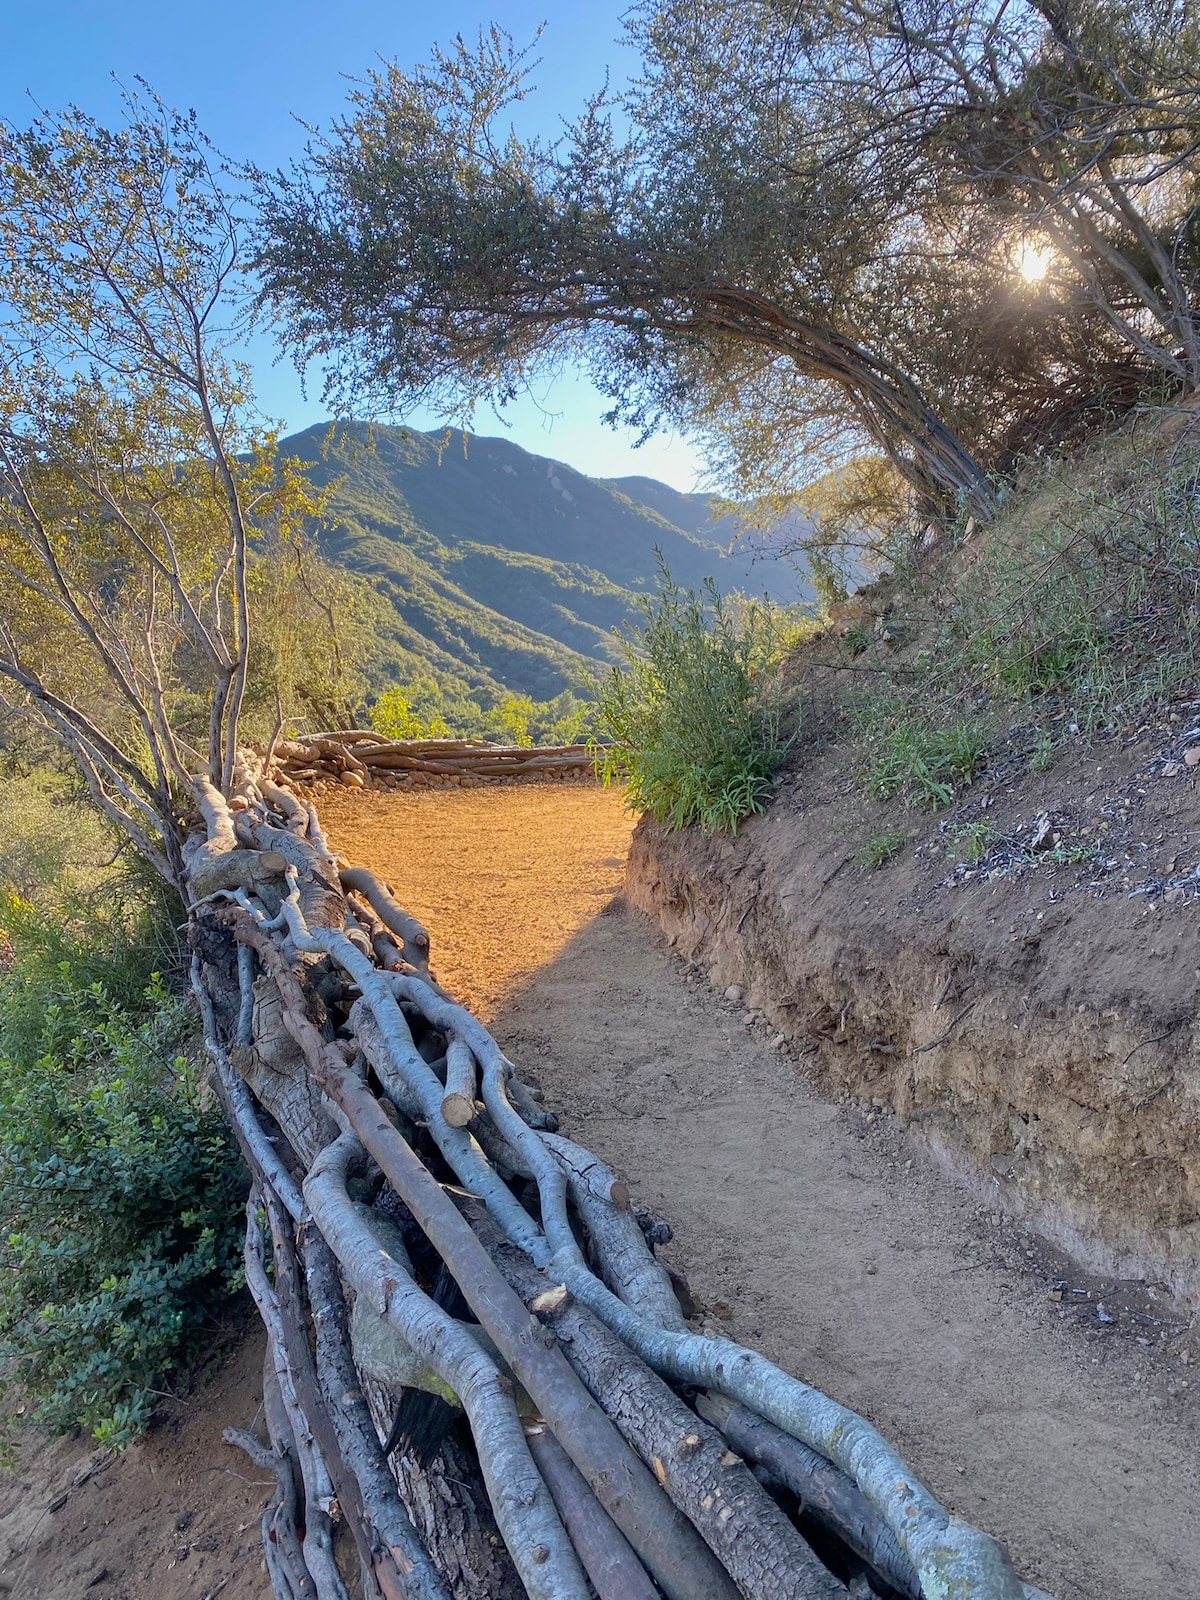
x: 816, y: 1231
x: 503, y: 877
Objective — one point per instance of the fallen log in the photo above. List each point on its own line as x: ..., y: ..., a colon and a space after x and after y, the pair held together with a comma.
x: 821, y: 1488
x: 612, y: 1568
x: 756, y: 1544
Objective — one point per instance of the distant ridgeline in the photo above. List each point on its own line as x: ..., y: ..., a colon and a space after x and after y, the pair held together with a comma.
x: 505, y: 569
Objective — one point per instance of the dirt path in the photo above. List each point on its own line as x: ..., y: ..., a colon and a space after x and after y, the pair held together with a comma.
x: 816, y: 1233
x: 808, y: 1229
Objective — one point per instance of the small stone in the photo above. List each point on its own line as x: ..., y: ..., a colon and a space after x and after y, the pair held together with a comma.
x: 779, y: 1041
x: 1192, y: 757
x: 1056, y: 1294
x: 734, y: 993
x: 1171, y: 770
x: 870, y: 1269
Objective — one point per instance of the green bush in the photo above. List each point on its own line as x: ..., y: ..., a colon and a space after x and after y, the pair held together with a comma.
x: 428, y: 709
x: 120, y: 1187
x: 693, y: 720
x: 46, y: 832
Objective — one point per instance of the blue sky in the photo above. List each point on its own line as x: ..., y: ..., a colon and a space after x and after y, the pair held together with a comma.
x: 249, y: 69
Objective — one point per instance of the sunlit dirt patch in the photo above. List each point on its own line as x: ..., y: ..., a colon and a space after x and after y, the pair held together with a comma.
x: 502, y: 877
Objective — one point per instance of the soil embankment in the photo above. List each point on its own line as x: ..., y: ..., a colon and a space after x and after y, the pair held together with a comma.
x: 1034, y: 1019
x: 819, y: 1231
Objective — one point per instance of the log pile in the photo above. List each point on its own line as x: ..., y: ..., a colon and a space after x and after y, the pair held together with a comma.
x: 360, y: 759
x: 480, y: 1380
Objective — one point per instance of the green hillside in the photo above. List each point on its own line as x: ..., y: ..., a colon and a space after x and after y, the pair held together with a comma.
x: 502, y: 568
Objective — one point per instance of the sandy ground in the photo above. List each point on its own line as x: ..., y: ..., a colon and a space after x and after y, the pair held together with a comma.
x: 807, y: 1228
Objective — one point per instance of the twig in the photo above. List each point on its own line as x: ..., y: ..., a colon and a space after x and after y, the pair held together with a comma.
x: 920, y: 1049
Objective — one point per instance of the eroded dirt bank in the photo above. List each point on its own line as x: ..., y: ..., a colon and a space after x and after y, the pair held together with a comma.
x: 1036, y: 1023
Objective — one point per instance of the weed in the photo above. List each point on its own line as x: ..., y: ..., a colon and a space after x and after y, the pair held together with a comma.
x: 879, y: 849
x: 926, y: 764
x: 973, y: 841
x: 1069, y: 855
x: 1043, y: 750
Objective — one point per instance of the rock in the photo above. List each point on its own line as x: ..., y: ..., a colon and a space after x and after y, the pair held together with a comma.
x: 1192, y: 757
x: 352, y: 780
x: 1171, y: 770
x: 734, y: 992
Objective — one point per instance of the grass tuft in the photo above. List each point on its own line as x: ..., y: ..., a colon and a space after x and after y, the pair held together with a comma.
x: 879, y: 849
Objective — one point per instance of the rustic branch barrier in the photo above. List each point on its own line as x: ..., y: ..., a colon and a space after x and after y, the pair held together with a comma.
x: 433, y: 1237
x: 358, y: 759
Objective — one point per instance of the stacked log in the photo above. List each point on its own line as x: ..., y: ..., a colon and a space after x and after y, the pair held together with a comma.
x: 480, y: 1381
x: 359, y: 759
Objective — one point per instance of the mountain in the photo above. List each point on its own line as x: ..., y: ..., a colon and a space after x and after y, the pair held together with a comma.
x: 506, y: 569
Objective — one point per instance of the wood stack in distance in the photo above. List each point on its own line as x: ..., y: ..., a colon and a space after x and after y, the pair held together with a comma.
x: 363, y: 760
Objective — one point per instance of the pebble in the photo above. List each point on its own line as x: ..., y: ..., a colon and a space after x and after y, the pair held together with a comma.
x: 734, y: 993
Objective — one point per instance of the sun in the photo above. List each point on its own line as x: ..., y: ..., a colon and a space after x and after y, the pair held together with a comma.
x: 1032, y: 260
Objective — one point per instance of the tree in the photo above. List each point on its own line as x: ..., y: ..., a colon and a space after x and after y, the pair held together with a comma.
x: 433, y: 255
x: 142, y: 506
x: 799, y: 232
x: 1075, y: 123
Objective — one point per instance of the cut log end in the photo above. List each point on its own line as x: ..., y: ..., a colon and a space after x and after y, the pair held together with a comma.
x: 458, y: 1109
x: 549, y: 1300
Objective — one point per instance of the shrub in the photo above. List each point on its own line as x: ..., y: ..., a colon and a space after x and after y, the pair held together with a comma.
x: 120, y: 1187
x: 693, y: 718
x: 46, y: 832
x: 427, y: 708
x: 393, y: 716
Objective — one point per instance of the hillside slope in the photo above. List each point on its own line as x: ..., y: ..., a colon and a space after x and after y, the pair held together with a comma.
x: 504, y: 568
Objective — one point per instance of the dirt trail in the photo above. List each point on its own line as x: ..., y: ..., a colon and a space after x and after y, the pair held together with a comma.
x: 806, y: 1228
x: 809, y: 1229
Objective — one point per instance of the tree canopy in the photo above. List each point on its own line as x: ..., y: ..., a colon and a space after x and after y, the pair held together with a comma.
x: 799, y: 231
